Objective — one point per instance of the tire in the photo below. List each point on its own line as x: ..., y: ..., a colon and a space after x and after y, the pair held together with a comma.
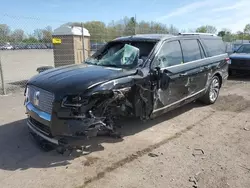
x: 213, y: 91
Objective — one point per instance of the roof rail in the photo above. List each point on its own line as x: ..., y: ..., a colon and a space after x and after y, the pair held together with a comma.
x: 207, y: 34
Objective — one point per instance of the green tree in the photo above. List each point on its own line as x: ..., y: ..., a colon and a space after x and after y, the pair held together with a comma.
x: 47, y: 34
x: 247, y: 32
x: 97, y: 29
x: 130, y: 26
x: 206, y: 29
x: 30, y: 39
x: 247, y: 29
x: 221, y: 33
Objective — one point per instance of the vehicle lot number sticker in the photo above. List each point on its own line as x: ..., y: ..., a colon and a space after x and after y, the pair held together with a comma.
x: 56, y: 41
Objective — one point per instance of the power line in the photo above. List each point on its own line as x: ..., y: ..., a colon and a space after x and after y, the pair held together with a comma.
x: 30, y: 18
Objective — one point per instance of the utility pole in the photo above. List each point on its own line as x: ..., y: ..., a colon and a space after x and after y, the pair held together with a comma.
x: 83, y: 48
x: 2, y: 78
x: 135, y: 24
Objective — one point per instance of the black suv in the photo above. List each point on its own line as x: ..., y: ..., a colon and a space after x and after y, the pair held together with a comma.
x: 136, y: 76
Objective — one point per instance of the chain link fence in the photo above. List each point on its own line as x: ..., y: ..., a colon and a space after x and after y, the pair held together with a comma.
x: 26, y: 44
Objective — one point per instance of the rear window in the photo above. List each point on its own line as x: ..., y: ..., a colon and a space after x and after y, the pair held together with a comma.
x: 191, y: 50
x: 214, y: 47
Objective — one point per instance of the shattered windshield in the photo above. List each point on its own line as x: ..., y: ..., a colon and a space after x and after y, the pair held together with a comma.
x: 120, y: 55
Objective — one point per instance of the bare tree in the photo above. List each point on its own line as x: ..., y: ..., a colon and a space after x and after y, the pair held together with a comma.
x: 4, y: 33
x: 17, y: 35
x: 38, y: 34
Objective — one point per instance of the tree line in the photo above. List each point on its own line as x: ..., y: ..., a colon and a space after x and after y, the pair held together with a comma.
x: 101, y: 32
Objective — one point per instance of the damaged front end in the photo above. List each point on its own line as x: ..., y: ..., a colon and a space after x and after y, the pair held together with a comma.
x: 96, y: 113
x: 75, y: 102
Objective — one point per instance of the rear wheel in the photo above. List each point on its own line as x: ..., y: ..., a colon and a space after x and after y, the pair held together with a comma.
x: 213, y: 91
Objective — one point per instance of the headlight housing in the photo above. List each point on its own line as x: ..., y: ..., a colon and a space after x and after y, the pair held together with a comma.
x: 73, y: 101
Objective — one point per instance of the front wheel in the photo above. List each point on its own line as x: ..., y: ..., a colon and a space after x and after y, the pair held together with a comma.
x: 213, y: 91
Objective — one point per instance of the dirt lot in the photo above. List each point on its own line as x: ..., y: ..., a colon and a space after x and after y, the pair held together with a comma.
x: 193, y: 146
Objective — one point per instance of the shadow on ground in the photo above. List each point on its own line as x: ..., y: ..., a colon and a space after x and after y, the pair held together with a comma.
x: 20, y: 83
x: 19, y: 151
x: 240, y: 76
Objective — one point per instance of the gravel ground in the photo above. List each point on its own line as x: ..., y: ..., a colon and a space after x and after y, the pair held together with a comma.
x: 193, y: 146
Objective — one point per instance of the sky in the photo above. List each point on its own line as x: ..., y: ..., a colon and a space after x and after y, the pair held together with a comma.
x: 183, y: 14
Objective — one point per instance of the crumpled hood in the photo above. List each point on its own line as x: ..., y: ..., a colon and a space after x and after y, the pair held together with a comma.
x: 240, y: 56
x: 74, y: 79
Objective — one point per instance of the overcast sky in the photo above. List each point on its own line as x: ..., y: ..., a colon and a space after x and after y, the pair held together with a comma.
x: 184, y: 14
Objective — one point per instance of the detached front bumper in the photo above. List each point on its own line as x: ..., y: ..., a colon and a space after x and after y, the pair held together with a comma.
x: 32, y: 127
x: 39, y: 122
x: 60, y: 130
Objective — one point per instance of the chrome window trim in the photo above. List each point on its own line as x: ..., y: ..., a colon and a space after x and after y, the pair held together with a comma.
x: 190, y: 62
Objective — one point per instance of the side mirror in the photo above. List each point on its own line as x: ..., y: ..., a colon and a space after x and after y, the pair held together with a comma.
x: 164, y: 81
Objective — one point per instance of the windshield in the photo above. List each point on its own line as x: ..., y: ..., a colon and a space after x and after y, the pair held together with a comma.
x: 244, y: 49
x: 121, y: 54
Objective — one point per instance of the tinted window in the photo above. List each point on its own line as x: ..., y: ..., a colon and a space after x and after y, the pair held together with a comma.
x: 170, y: 54
x: 214, y: 47
x: 191, y: 50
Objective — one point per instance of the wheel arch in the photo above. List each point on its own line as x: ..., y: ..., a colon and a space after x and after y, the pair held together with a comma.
x: 218, y: 74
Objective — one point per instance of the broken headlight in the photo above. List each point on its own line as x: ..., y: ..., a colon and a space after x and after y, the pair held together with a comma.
x: 26, y: 94
x: 74, y: 101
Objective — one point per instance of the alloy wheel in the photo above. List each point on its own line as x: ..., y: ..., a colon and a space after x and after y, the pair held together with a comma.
x: 214, y: 89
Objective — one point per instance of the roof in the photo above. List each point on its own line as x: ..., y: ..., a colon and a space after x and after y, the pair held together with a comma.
x: 152, y: 37
x: 71, y: 30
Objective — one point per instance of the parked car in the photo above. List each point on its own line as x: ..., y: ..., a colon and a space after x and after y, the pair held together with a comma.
x: 7, y: 47
x: 240, y: 59
x: 139, y: 76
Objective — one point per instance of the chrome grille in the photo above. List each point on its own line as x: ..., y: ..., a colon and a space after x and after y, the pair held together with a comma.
x: 43, y: 101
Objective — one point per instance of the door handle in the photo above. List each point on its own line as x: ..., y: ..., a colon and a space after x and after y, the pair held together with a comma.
x: 183, y: 74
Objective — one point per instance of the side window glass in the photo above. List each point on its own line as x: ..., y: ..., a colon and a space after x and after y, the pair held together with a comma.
x: 214, y: 46
x: 169, y: 55
x: 191, y: 50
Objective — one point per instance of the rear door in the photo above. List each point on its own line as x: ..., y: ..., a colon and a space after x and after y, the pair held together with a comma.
x: 194, y: 65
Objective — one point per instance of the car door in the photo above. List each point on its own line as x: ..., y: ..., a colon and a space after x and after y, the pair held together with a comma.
x: 194, y: 65
x: 172, y: 78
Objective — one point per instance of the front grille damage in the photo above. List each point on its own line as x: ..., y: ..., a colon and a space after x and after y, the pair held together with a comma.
x: 98, y: 114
